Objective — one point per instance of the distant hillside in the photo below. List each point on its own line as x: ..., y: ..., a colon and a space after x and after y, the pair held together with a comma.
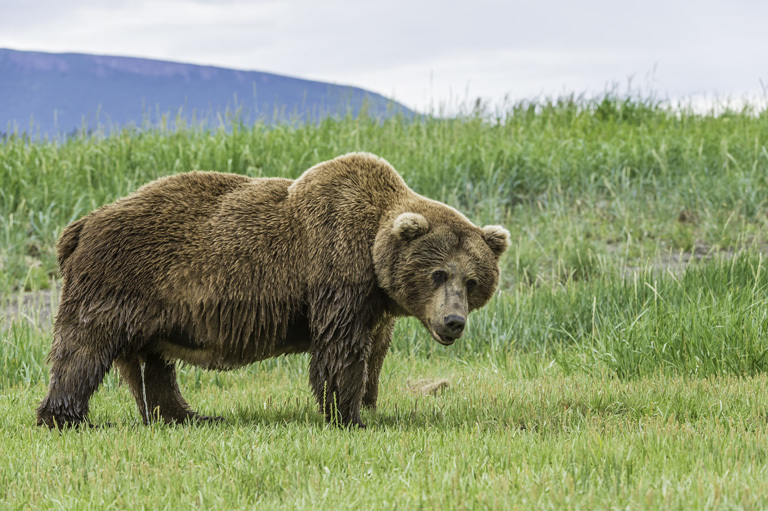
x: 63, y: 91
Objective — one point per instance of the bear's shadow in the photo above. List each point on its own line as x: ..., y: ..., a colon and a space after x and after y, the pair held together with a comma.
x: 296, y: 417
x: 380, y: 419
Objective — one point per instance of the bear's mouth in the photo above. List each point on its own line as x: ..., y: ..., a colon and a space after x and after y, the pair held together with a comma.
x: 443, y: 339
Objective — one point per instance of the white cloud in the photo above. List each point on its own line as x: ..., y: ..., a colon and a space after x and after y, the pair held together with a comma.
x: 425, y: 51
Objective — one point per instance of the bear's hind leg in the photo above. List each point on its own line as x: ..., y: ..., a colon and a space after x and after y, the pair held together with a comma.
x: 78, y: 362
x: 156, y: 391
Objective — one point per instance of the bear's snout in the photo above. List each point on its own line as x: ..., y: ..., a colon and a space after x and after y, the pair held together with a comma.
x: 448, y: 330
x: 455, y: 324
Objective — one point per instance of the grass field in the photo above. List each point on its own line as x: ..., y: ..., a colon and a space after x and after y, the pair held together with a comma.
x: 622, y: 364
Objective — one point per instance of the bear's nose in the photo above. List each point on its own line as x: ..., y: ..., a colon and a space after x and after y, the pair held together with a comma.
x: 455, y: 324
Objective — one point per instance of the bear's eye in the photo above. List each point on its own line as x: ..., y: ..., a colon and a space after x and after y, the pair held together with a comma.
x: 471, y: 284
x: 439, y: 277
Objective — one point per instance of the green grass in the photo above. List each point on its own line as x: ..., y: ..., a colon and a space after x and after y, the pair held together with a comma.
x: 621, y: 365
x: 491, y: 440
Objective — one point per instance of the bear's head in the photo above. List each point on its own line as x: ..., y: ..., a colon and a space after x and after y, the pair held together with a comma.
x: 437, y: 266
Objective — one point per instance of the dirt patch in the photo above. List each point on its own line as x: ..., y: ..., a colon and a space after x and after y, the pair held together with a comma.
x: 677, y: 262
x: 37, y: 307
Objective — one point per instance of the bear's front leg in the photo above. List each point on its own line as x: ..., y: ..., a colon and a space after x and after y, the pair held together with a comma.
x: 337, y: 373
x: 340, y: 347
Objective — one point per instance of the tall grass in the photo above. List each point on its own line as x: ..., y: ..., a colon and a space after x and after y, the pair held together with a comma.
x: 620, y: 170
x: 599, y: 195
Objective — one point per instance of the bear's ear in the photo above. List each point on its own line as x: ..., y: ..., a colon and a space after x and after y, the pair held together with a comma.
x: 410, y: 226
x: 497, y: 238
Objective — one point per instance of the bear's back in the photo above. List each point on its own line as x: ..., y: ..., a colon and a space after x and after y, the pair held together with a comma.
x: 140, y: 240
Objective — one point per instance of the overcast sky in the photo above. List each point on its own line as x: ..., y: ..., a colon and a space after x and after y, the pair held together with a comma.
x: 428, y: 52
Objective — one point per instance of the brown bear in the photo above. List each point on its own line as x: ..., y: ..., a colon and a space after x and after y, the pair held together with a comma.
x: 222, y: 270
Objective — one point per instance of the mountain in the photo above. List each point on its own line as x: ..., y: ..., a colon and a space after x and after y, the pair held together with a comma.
x: 62, y: 92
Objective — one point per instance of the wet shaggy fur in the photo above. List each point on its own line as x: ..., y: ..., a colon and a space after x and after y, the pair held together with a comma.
x: 221, y: 270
